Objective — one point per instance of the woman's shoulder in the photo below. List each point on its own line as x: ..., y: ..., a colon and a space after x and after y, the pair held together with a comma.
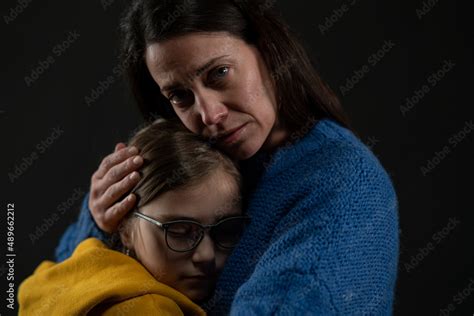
x: 336, y: 187
x: 342, y: 165
x: 340, y: 150
x: 336, y: 145
x: 328, y: 152
x: 331, y: 174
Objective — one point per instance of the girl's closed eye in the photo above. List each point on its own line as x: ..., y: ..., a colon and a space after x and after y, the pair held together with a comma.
x: 182, y: 229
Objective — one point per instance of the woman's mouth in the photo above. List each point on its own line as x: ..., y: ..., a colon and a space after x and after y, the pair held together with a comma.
x: 233, y: 136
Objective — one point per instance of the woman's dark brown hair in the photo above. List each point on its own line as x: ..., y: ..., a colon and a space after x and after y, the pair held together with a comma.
x: 301, y: 93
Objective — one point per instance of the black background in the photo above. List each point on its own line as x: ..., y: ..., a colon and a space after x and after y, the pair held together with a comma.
x: 436, y: 261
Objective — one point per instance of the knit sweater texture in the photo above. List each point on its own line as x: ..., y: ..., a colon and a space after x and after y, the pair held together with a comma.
x: 323, y: 239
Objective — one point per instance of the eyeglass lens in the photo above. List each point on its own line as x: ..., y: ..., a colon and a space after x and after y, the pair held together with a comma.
x: 185, y: 236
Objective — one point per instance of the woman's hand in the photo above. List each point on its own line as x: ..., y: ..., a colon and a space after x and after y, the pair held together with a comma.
x: 115, y: 177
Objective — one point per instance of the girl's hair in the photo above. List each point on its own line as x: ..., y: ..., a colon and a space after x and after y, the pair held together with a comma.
x: 301, y: 93
x: 174, y: 158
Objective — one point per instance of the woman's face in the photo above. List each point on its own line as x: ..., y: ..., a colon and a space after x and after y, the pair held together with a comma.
x: 193, y: 273
x: 220, y: 88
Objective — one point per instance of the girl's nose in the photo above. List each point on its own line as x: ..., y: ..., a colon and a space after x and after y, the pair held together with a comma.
x: 205, y: 251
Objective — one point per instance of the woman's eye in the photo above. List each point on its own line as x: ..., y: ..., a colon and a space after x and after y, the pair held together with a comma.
x: 181, y: 98
x: 219, y: 73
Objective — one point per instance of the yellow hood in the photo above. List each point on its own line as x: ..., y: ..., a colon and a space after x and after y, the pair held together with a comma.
x: 99, y: 281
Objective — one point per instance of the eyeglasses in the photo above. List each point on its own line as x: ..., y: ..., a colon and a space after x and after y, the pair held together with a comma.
x: 185, y: 235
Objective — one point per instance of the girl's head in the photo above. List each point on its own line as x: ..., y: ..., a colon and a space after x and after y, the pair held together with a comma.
x: 183, y: 179
x: 221, y: 66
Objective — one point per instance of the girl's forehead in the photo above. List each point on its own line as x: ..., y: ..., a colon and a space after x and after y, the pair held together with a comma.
x: 212, y: 198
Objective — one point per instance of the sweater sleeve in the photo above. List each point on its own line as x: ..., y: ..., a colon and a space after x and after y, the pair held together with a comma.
x: 334, y: 253
x: 82, y: 229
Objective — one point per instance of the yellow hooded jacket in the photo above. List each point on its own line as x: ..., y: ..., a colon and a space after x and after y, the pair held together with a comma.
x: 98, y: 281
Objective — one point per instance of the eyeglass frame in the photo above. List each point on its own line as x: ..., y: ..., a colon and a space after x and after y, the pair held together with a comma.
x: 164, y: 227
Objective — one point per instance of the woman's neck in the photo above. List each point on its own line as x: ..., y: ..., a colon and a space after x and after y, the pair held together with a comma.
x: 277, y: 137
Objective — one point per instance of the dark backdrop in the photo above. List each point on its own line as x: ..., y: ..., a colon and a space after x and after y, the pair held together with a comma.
x: 403, y: 72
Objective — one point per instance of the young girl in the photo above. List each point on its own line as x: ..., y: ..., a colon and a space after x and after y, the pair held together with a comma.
x: 174, y: 244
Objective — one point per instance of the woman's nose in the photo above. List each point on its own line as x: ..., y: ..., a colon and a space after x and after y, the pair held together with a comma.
x: 211, y: 110
x: 205, y: 251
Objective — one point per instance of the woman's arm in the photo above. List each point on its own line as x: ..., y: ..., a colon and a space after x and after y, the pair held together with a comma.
x: 102, y: 210
x: 334, y: 253
x: 84, y: 228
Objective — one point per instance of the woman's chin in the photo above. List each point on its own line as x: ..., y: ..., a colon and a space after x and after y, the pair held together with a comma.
x: 241, y: 151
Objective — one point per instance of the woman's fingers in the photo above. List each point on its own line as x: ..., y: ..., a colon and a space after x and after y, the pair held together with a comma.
x: 115, y: 191
x: 119, y: 146
x: 112, y: 217
x: 113, y: 159
x: 119, y: 172
x: 115, y: 177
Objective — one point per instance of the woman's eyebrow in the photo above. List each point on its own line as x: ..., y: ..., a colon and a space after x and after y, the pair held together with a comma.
x: 207, y: 65
x: 195, y: 73
x: 170, y: 87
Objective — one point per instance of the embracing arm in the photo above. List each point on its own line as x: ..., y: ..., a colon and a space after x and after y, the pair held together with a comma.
x: 103, y: 209
x: 336, y: 254
x: 84, y: 228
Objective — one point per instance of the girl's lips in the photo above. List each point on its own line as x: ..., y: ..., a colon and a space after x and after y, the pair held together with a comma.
x: 234, y: 136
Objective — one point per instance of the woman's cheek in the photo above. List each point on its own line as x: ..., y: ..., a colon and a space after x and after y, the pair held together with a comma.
x: 220, y: 261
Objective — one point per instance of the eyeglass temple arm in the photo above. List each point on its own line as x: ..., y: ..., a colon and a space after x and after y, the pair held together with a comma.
x: 143, y: 216
x: 154, y: 221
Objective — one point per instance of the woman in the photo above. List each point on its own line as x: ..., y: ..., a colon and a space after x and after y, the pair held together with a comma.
x: 324, y: 231
x: 179, y: 239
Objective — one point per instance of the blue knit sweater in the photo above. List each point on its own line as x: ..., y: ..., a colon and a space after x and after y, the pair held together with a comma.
x: 323, y: 238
